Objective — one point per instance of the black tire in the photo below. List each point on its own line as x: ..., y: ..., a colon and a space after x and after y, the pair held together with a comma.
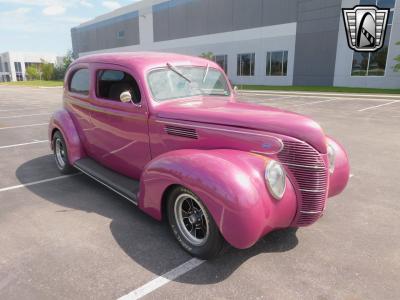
x: 212, y: 241
x: 61, y: 159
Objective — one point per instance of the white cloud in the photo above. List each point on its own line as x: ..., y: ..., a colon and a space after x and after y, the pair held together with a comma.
x: 17, y: 12
x: 22, y: 10
x: 111, y: 4
x: 46, y: 3
x: 17, y: 20
x: 85, y: 3
x: 29, y: 2
x: 54, y: 10
x: 72, y: 20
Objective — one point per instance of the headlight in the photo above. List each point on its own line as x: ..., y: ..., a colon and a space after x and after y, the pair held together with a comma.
x: 331, y: 157
x: 275, y: 176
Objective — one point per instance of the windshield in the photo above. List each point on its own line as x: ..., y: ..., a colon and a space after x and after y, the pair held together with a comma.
x: 184, y: 81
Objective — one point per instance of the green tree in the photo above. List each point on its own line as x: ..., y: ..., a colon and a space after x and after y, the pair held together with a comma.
x: 59, y: 71
x: 68, y: 59
x: 207, y: 55
x: 47, y: 71
x: 32, y: 73
x: 397, y: 58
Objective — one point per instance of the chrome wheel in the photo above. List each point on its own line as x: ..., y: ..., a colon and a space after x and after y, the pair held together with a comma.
x: 191, y: 218
x: 61, y: 155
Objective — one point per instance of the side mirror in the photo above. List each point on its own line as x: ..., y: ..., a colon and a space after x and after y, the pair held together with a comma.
x: 125, y: 97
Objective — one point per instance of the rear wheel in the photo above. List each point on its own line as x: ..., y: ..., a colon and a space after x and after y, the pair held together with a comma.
x: 61, y: 154
x: 192, y: 224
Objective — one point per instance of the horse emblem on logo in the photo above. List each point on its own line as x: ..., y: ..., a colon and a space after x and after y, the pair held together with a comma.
x: 365, y: 27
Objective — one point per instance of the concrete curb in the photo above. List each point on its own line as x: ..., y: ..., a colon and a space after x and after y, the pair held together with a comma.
x: 300, y: 93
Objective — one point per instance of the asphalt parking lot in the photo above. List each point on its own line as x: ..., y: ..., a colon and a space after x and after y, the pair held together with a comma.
x: 67, y: 237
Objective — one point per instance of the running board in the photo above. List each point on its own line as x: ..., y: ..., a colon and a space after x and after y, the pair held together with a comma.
x: 120, y: 184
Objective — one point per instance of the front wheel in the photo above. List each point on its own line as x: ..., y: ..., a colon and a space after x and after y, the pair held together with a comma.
x: 192, y: 224
x: 61, y: 154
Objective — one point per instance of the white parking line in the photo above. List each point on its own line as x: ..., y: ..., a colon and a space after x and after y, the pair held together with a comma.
x: 163, y: 279
x: 376, y: 106
x: 315, y: 102
x: 283, y: 97
x: 23, y: 144
x: 341, y: 97
x: 275, y: 97
x: 21, y: 126
x: 323, y: 94
x: 36, y: 182
x: 19, y: 109
x: 21, y: 116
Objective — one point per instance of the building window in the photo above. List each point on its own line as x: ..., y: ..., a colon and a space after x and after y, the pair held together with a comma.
x: 121, y: 35
x: 374, y: 64
x: 6, y: 67
x: 222, y: 61
x: 18, y: 68
x: 245, y: 64
x: 276, y: 63
x: 18, y: 71
x: 379, y: 3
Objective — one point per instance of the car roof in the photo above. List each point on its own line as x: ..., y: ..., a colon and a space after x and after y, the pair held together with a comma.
x: 145, y: 60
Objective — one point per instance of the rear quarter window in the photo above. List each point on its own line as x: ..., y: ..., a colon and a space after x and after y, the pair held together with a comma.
x: 79, y: 82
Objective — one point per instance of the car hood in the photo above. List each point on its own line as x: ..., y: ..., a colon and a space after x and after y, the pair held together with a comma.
x: 214, y: 110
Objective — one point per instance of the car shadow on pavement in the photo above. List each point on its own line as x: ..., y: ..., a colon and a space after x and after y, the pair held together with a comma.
x: 148, y: 242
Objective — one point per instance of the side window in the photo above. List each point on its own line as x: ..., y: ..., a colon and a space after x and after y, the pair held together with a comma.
x: 79, y: 82
x: 111, y: 83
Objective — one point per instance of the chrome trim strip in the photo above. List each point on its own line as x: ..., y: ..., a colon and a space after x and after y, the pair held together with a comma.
x: 311, y: 212
x: 180, y: 131
x: 262, y: 153
x: 304, y: 166
x: 106, y: 185
x: 312, y: 191
x: 175, y: 128
x: 182, y: 134
x: 226, y: 130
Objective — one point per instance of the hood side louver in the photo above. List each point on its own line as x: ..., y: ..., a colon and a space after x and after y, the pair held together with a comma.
x: 181, y: 131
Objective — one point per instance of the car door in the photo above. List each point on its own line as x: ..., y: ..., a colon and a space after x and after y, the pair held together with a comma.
x: 120, y: 138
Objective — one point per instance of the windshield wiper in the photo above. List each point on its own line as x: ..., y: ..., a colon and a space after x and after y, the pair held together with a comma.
x: 175, y: 70
x: 206, y: 73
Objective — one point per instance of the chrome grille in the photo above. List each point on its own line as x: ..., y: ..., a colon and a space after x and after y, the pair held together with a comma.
x: 308, y: 169
x: 181, y: 131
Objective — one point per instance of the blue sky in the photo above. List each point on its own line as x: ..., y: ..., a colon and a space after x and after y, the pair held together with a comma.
x: 44, y: 25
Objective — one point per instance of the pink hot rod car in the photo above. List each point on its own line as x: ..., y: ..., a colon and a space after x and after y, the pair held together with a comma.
x: 165, y: 131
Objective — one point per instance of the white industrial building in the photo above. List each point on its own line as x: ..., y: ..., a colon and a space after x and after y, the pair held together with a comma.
x: 261, y: 42
x: 13, y: 64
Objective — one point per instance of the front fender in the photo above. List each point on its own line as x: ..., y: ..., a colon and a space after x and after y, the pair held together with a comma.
x: 231, y: 185
x: 340, y: 176
x: 61, y: 120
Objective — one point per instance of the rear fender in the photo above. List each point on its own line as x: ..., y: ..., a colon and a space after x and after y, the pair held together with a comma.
x: 229, y: 182
x: 61, y: 120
